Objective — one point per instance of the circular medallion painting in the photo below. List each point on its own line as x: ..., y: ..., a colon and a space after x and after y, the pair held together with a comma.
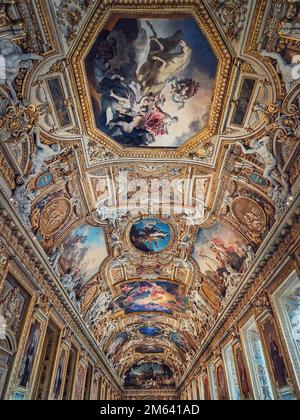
x: 150, y: 235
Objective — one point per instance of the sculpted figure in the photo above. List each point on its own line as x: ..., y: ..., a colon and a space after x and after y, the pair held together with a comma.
x: 14, y: 60
x: 98, y: 308
x: 9, y: 305
x: 21, y: 200
x: 22, y: 197
x: 43, y: 153
x: 189, y: 326
x: 280, y: 196
x: 53, y: 259
x: 199, y: 302
x: 232, y: 277
x: 109, y: 327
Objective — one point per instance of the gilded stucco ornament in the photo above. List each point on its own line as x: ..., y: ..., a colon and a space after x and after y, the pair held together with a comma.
x: 69, y: 16
x: 18, y: 120
x: 13, y: 60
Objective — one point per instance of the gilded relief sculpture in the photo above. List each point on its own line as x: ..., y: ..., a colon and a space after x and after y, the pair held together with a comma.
x: 149, y: 200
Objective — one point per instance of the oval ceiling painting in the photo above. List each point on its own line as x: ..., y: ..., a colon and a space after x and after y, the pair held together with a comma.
x: 151, y: 80
x: 150, y: 235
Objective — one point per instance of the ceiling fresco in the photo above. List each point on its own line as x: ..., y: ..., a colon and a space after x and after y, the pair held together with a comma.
x: 151, y: 80
x: 149, y: 153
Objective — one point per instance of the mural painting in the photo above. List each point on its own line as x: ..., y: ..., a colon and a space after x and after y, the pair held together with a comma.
x: 274, y: 352
x: 219, y: 251
x: 150, y: 331
x: 242, y: 374
x: 149, y: 350
x: 29, y: 354
x: 206, y: 388
x: 82, y: 253
x: 222, y: 386
x: 59, y: 376
x: 116, y: 343
x: 180, y: 342
x: 79, y: 387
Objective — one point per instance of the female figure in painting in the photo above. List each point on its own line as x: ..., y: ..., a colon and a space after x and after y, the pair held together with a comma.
x: 222, y: 383
x: 29, y: 358
x: 166, y: 58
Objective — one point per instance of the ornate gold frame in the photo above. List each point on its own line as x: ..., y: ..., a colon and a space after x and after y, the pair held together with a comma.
x: 162, y: 8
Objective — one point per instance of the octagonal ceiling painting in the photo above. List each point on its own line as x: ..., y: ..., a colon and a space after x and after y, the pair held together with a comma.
x: 151, y: 81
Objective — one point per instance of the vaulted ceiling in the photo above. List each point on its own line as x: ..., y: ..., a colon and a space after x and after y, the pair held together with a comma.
x: 156, y: 154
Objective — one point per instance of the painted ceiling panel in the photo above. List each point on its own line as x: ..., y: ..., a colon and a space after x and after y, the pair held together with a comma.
x: 150, y: 152
x: 151, y: 80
